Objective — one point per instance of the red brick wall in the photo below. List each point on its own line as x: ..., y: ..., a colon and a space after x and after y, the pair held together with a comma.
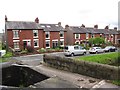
x: 53, y: 35
x: 25, y: 34
x: 10, y: 38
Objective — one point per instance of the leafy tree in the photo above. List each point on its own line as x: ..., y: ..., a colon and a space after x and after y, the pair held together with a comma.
x: 97, y: 41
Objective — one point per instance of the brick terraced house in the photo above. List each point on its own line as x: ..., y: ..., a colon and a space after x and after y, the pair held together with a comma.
x: 20, y: 34
x: 81, y: 34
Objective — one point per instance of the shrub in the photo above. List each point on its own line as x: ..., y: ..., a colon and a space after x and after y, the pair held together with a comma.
x: 3, y: 46
x: 30, y: 49
x: 42, y: 50
x: 23, y: 52
x: 8, y: 54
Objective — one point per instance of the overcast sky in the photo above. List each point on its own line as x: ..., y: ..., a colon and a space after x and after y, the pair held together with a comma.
x: 71, y: 12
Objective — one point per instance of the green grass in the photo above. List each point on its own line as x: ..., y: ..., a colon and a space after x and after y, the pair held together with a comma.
x: 7, y: 55
x: 107, y: 58
x: 3, y: 60
x: 116, y: 82
x: 0, y: 46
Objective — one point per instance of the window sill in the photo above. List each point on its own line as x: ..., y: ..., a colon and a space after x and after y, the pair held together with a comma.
x: 36, y: 46
x: 16, y: 48
x: 35, y: 37
x: 47, y: 38
x: 16, y: 38
x: 61, y: 37
x: 47, y: 47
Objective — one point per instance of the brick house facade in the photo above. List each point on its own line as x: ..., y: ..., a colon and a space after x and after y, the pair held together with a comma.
x: 81, y: 35
x: 20, y: 34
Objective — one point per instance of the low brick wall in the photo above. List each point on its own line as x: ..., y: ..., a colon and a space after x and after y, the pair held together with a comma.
x: 95, y: 70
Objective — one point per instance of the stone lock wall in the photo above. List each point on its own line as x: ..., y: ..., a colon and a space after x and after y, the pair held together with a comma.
x: 95, y: 70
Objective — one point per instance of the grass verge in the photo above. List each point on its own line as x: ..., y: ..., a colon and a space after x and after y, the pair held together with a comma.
x: 107, y: 58
x: 3, y: 60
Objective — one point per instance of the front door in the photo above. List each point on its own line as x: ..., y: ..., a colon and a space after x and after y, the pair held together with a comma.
x: 24, y: 44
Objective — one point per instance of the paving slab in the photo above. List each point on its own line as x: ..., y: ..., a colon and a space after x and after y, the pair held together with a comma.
x: 78, y: 80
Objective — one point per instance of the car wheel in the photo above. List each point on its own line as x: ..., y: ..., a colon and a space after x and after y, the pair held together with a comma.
x: 84, y: 53
x: 72, y: 54
x: 96, y: 52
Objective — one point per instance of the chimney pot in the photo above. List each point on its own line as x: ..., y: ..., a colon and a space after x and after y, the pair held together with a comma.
x: 107, y: 27
x: 66, y: 26
x: 37, y: 20
x: 83, y: 26
x: 59, y: 24
x: 115, y: 28
x: 96, y: 26
x: 6, y: 19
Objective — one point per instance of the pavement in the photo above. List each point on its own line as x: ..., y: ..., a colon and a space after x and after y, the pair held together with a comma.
x: 81, y: 81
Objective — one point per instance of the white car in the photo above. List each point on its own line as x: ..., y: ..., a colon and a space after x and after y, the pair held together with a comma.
x: 74, y: 50
x: 96, y: 50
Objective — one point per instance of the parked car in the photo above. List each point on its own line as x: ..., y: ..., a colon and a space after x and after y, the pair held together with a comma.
x: 110, y: 49
x: 96, y: 50
x: 74, y: 50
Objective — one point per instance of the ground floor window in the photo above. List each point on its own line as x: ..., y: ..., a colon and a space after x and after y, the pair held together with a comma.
x: 47, y: 44
x: 54, y: 44
x: 62, y: 42
x: 16, y: 45
x: 36, y: 43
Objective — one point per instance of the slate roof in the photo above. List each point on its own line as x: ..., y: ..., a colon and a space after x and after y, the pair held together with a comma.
x: 78, y: 29
x: 22, y: 25
x: 51, y: 27
x: 32, y: 25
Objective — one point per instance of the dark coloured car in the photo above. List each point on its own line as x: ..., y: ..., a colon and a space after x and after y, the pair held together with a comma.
x: 110, y: 49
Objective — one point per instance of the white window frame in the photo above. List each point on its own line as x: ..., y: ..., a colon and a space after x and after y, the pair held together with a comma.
x: 48, y: 34
x: 14, y: 36
x: 62, y: 32
x: 77, y: 41
x: 92, y: 35
x: 87, y: 35
x: 37, y: 43
x: 49, y: 43
x: 78, y: 36
x: 16, y: 47
x: 62, y: 41
x: 35, y: 31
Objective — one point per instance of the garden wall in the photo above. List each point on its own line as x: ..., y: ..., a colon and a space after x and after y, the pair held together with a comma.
x: 95, y: 70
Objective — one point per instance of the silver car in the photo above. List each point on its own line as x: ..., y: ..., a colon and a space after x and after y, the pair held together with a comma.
x: 74, y: 50
x: 96, y: 50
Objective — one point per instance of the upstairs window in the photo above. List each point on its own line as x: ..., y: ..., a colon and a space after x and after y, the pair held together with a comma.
x: 61, y: 34
x: 87, y: 35
x: 35, y: 33
x: 47, y: 34
x: 77, y: 36
x: 92, y: 35
x: 15, y: 34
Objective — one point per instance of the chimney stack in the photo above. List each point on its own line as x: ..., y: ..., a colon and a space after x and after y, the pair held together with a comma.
x: 96, y: 26
x: 107, y: 27
x: 115, y: 28
x: 59, y: 24
x: 6, y: 19
x: 66, y: 26
x: 83, y: 26
x: 37, y: 20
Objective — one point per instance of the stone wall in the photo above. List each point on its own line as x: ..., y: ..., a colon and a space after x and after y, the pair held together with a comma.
x: 95, y: 70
